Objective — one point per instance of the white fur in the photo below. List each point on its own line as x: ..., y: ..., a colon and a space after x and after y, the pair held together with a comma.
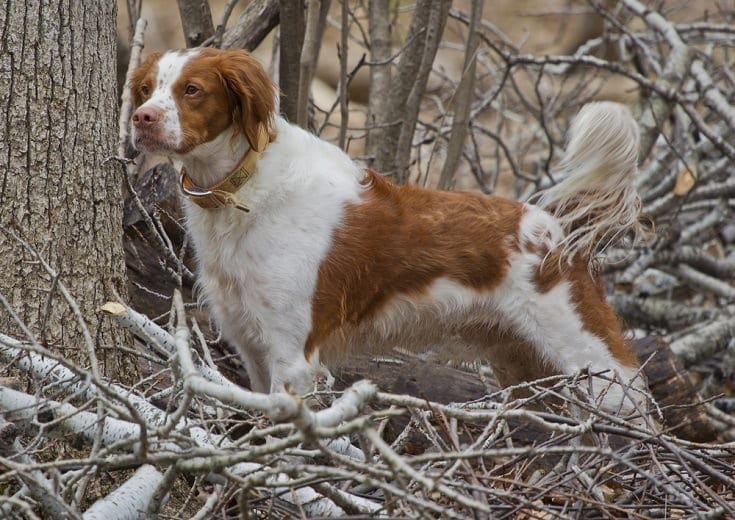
x: 596, y: 203
x: 549, y: 320
x: 259, y: 270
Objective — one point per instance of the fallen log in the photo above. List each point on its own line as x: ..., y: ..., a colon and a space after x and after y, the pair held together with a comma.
x: 669, y: 382
x: 672, y: 388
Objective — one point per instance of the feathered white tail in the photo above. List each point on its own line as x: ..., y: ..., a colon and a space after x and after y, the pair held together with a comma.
x: 596, y: 203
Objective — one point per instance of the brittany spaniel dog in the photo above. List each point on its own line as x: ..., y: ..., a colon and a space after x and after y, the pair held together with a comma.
x: 304, y: 256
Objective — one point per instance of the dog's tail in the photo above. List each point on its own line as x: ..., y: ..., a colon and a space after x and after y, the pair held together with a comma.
x: 596, y: 203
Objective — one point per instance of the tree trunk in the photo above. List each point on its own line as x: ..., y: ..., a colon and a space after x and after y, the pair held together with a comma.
x: 292, y: 39
x: 57, y: 127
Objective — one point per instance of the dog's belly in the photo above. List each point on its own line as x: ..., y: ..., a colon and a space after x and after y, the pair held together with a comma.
x: 465, y: 324
x: 448, y: 320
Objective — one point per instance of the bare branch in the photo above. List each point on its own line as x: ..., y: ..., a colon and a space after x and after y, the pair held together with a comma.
x: 291, y: 42
x: 127, y: 500
x: 253, y: 25
x: 380, y: 76
x: 309, y: 53
x: 677, y: 65
x: 343, y: 80
x: 463, y: 101
x: 196, y: 19
x: 126, y: 100
x: 704, y: 341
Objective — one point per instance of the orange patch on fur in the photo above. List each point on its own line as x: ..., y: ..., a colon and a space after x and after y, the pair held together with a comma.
x: 400, y: 239
x: 233, y: 89
x: 144, y: 77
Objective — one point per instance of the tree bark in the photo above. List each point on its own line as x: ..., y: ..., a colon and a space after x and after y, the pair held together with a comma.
x: 196, y: 20
x: 462, y: 101
x: 57, y: 192
x: 316, y: 18
x: 256, y: 21
x: 392, y: 141
x: 380, y: 77
x: 292, y: 39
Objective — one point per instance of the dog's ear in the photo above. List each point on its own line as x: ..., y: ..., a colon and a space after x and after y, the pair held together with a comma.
x: 140, y: 79
x: 253, y: 93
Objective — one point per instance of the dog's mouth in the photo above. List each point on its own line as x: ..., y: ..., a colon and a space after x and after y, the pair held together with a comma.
x: 155, y: 143
x: 148, y: 142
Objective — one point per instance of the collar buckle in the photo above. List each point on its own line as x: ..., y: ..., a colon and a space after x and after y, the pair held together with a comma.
x: 222, y: 194
x: 209, y: 198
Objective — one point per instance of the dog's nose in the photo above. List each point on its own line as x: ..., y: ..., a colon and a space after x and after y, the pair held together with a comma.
x: 146, y: 116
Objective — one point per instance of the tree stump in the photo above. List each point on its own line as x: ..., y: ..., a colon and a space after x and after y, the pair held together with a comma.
x: 673, y: 391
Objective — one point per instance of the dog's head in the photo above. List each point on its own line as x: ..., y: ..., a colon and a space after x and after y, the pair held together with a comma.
x: 186, y: 98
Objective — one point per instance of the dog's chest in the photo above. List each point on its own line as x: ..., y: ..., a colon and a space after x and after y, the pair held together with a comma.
x: 259, y: 274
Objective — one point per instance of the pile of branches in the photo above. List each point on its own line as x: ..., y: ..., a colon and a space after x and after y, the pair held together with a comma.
x: 200, y: 446
x: 680, y: 283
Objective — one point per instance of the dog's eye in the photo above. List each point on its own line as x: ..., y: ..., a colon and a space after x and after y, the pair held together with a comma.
x: 144, y: 90
x: 191, y: 90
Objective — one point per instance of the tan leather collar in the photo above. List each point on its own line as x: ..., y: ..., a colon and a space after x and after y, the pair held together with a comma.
x: 221, y: 194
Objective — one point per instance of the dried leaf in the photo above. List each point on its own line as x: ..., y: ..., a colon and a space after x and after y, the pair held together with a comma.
x: 684, y: 181
x: 533, y: 514
x: 715, y: 249
x: 608, y: 493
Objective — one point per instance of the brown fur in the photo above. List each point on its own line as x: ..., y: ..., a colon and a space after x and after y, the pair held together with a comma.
x: 588, y: 297
x: 251, y: 90
x: 144, y: 77
x: 402, y: 238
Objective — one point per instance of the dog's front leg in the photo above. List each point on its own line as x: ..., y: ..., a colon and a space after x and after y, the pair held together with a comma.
x: 256, y: 363
x: 293, y: 373
x: 253, y: 352
x: 258, y: 371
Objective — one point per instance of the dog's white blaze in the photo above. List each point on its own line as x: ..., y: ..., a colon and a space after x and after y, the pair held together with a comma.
x: 169, y: 69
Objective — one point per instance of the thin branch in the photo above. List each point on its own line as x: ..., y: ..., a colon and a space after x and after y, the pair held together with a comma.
x: 309, y: 52
x: 291, y: 43
x: 463, y: 101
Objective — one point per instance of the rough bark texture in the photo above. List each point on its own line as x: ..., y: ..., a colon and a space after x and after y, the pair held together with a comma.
x: 462, y: 101
x: 380, y: 51
x: 393, y: 141
x: 256, y: 21
x: 292, y: 39
x: 57, y: 127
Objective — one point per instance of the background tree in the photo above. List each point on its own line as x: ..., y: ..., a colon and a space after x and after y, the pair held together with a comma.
x: 57, y: 191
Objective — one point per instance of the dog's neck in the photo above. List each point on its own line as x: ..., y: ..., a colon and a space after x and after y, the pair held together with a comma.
x: 209, y: 163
